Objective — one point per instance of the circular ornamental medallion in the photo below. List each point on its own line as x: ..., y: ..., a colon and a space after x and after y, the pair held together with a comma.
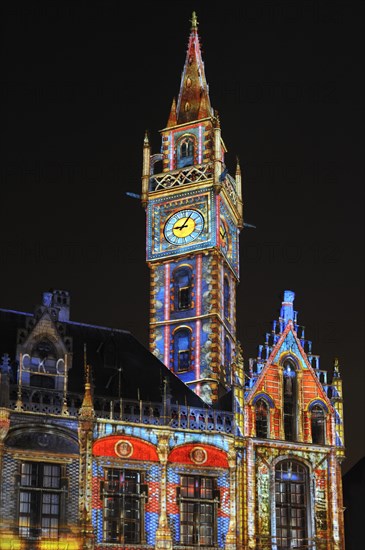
x: 198, y: 455
x: 123, y: 448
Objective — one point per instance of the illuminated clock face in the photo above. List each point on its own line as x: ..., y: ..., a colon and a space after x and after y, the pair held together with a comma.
x: 223, y: 237
x: 183, y: 227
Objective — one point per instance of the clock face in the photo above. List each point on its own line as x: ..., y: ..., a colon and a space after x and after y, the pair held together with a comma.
x: 223, y: 234
x: 183, y: 227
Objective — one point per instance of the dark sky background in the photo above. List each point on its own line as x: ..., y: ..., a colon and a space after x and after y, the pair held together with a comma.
x: 81, y: 82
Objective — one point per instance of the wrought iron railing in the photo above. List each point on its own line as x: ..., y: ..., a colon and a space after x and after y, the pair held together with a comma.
x: 47, y: 401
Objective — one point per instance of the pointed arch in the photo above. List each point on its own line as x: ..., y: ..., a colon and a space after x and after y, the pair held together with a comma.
x: 290, y: 392
x: 318, y: 412
x: 185, y: 150
x: 262, y: 417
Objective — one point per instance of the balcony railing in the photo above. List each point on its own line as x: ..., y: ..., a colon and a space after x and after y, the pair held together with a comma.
x: 46, y: 401
x: 191, y: 174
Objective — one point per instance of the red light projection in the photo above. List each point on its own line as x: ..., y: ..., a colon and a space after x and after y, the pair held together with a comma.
x: 114, y: 446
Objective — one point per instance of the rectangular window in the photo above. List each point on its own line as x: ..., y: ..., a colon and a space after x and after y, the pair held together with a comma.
x: 197, y: 511
x: 123, y: 499
x: 39, y: 500
x: 291, y: 510
x: 184, y: 297
x: 183, y: 360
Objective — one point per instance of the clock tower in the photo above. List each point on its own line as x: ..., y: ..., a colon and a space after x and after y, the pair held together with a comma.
x: 194, y: 216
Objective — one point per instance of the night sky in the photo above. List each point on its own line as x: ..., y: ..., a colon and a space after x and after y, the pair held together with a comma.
x: 81, y: 82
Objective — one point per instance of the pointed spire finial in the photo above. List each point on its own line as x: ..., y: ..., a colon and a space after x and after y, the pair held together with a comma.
x: 194, y: 21
x: 146, y: 140
x: 193, y: 101
x: 86, y: 367
x: 87, y: 409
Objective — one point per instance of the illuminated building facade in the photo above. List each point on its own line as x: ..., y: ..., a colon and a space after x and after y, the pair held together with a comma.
x: 106, y: 445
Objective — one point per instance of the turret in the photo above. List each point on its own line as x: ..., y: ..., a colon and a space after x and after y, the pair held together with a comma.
x: 238, y: 178
x: 145, y: 169
x: 337, y: 402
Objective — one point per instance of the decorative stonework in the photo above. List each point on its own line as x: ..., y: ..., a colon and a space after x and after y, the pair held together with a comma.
x: 198, y: 455
x: 123, y: 448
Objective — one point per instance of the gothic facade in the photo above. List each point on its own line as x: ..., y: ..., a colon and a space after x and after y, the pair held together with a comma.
x: 106, y: 445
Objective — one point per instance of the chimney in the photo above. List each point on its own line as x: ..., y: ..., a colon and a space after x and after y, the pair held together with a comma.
x: 60, y: 301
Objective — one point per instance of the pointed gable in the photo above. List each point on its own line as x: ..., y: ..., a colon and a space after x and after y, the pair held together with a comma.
x: 193, y: 102
x: 284, y: 351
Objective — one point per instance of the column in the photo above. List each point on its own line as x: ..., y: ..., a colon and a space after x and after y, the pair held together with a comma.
x: 232, y: 528
x: 163, y: 533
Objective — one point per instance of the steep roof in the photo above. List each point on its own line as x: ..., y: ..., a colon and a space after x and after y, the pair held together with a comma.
x: 108, y: 349
x: 193, y: 101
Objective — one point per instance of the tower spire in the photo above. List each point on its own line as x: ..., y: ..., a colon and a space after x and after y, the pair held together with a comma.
x: 87, y: 407
x: 193, y: 101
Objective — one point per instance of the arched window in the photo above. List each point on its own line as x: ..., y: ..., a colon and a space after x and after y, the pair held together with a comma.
x: 227, y: 359
x: 318, y: 419
x: 185, y: 152
x: 44, y: 349
x: 226, y: 298
x: 182, y: 279
x: 289, y: 400
x: 262, y: 418
x: 291, y: 505
x: 182, y: 349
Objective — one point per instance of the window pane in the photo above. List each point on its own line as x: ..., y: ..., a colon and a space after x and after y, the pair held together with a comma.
x: 197, y: 514
x: 122, y: 504
x: 38, y: 510
x: 291, y: 489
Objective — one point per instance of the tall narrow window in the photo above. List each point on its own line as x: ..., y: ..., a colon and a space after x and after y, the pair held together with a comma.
x: 227, y: 359
x: 185, y: 152
x: 182, y: 349
x: 182, y: 279
x: 198, y: 511
x: 39, y: 500
x: 289, y: 400
x: 318, y: 419
x: 226, y: 298
x: 123, y: 497
x: 262, y: 418
x: 291, y: 497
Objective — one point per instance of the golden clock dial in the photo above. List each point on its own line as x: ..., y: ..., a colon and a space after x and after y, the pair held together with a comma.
x: 183, y: 227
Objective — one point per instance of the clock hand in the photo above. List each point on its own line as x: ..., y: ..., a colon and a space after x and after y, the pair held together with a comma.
x: 185, y: 223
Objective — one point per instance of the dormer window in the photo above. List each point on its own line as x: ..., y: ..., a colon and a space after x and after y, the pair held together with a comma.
x: 318, y: 419
x: 185, y: 151
x: 262, y: 418
x: 43, y: 355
